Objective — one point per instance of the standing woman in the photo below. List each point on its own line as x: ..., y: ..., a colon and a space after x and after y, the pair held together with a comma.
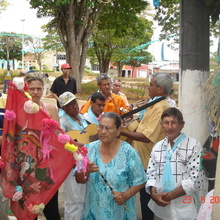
x: 120, y: 165
x: 35, y: 89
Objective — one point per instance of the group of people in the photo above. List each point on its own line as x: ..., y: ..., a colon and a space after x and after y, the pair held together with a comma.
x: 162, y: 163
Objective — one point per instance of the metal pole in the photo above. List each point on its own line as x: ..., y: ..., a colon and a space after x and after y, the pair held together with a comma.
x: 23, y: 43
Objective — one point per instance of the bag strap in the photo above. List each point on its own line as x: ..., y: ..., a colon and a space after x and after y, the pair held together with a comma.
x: 142, y: 107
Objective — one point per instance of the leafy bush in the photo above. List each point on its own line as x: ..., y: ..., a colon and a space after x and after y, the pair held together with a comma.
x: 88, y: 72
x: 89, y: 88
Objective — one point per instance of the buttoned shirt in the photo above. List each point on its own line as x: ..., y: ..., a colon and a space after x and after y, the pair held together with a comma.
x: 59, y: 86
x: 185, y: 164
x: 151, y: 128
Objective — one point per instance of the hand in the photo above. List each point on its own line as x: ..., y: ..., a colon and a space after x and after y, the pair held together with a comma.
x: 119, y: 197
x: 80, y: 144
x: 92, y: 167
x: 130, y: 107
x: 139, y: 103
x: 168, y: 197
x: 159, y: 199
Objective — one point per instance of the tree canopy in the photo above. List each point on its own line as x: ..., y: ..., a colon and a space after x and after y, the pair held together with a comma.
x: 116, y: 46
x: 75, y: 20
x: 168, y: 16
x: 10, y: 46
x: 3, y: 5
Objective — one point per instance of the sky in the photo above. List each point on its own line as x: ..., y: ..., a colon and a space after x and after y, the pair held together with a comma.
x: 11, y: 19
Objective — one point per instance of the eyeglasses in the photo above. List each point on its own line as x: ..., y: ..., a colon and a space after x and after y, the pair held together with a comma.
x: 107, y: 128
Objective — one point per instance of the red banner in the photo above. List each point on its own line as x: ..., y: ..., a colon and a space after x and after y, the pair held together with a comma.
x: 26, y: 164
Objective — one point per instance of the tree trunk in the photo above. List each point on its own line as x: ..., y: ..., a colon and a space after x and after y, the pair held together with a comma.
x: 119, y: 68
x: 73, y: 58
x: 75, y: 38
x: 194, y: 67
x: 7, y: 56
x: 104, y: 56
x: 104, y: 65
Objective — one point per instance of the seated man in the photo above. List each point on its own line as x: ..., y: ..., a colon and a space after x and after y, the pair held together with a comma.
x: 114, y: 103
x: 72, y: 120
x: 96, y: 108
x: 173, y: 172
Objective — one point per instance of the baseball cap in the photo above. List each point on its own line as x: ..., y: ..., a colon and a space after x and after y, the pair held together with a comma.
x: 66, y: 66
x: 66, y: 98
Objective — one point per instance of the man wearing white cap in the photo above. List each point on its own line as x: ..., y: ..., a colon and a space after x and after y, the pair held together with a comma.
x: 63, y: 83
x: 73, y: 192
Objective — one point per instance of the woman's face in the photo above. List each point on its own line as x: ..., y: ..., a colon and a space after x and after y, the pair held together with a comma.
x: 35, y: 89
x: 107, y: 130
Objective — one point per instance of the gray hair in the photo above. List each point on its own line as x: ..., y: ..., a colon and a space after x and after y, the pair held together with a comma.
x: 112, y: 115
x: 164, y: 80
x: 102, y: 76
x: 116, y: 80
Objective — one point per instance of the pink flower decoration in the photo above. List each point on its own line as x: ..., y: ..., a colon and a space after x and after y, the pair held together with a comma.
x: 36, y: 209
x: 100, y: 116
x: 31, y: 209
x: 63, y: 138
x: 10, y: 115
x: 83, y: 151
x: 50, y: 124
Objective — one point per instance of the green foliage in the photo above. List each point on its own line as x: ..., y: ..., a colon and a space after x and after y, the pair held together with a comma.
x: 75, y: 20
x: 3, y: 5
x: 168, y: 17
x: 52, y: 40
x: 115, y: 44
x: 213, y: 9
x: 10, y: 46
x: 89, y: 72
x: 89, y: 88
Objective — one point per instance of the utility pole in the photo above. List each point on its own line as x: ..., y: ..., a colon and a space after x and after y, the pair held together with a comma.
x: 22, y: 43
x: 194, y: 67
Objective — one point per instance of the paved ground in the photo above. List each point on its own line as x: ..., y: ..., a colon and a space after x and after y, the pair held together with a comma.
x: 61, y: 208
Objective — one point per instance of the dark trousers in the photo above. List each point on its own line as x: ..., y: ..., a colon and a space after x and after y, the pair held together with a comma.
x: 51, y: 210
x: 147, y: 214
x: 5, y: 86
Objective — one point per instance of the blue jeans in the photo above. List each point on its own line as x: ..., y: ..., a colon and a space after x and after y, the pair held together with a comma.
x: 5, y: 85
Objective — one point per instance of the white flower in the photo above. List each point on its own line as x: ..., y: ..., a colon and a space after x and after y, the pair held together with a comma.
x: 31, y: 107
x: 19, y: 82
